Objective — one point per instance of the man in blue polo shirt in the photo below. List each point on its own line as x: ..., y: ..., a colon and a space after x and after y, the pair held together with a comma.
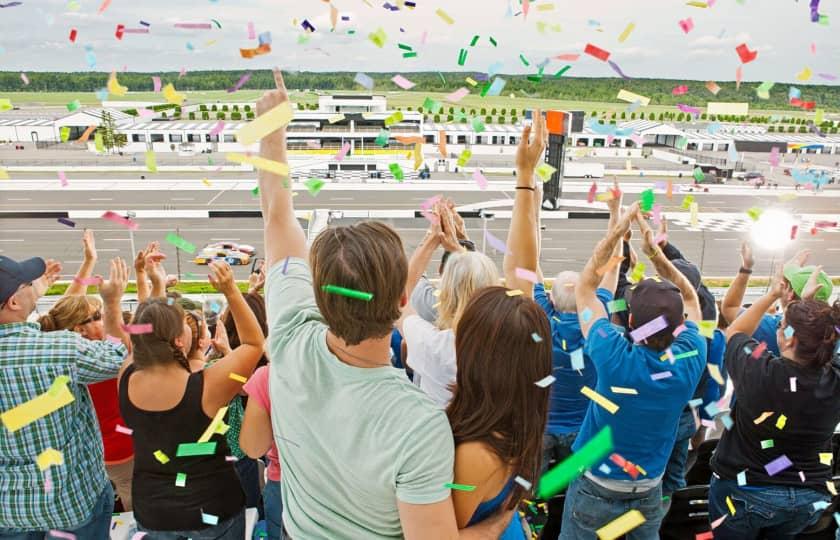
x: 648, y: 376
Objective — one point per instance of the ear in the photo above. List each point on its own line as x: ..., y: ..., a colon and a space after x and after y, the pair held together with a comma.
x: 630, y: 320
x: 403, y: 300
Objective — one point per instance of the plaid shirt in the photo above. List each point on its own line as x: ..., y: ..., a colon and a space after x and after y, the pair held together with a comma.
x: 30, y: 360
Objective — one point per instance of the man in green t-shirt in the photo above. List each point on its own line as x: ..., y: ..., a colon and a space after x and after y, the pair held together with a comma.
x: 364, y: 453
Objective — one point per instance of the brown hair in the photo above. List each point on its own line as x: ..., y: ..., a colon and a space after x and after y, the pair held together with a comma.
x: 256, y: 302
x: 68, y: 312
x: 816, y: 326
x: 158, y: 346
x: 195, y: 320
x: 367, y: 257
x: 495, y: 400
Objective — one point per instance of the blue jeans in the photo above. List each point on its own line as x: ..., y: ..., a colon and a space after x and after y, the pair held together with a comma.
x: 97, y: 526
x: 590, y: 506
x: 229, y: 529
x: 249, y: 477
x: 674, y: 477
x: 776, y: 512
x: 273, y: 503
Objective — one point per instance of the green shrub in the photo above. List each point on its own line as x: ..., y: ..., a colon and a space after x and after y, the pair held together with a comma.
x: 205, y: 115
x: 236, y: 115
x: 220, y: 115
x: 192, y: 116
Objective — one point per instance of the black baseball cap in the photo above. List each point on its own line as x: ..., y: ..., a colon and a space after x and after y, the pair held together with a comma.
x: 652, y: 298
x: 13, y: 274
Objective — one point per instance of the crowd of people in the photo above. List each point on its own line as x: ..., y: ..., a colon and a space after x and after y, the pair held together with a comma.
x: 384, y: 404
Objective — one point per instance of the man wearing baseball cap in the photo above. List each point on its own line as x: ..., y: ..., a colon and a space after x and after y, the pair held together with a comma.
x: 644, y: 382
x: 51, y: 465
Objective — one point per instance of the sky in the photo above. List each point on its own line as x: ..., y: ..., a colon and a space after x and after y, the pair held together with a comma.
x: 34, y: 36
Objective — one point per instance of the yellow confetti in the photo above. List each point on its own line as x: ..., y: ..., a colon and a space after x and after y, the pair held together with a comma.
x: 515, y: 292
x: 275, y: 167
x: 599, y: 399
x: 206, y: 182
x: 443, y: 15
x: 214, y: 424
x: 780, y: 423
x: 470, y: 81
x: 4, y: 175
x: 805, y: 74
x: 622, y: 390
x: 627, y: 31
x: 826, y: 458
x: 694, y: 219
x: 630, y: 97
x: 714, y: 372
x: 707, y: 329
x: 764, y: 416
x: 171, y: 96
x: 237, y: 378
x: 730, y: 505
x: 160, y: 456
x: 335, y: 118
x: 49, y: 457
x: 36, y: 408
x: 696, y: 4
x: 265, y: 124
x: 621, y: 525
x: 151, y: 161
x: 114, y: 86
x: 831, y: 489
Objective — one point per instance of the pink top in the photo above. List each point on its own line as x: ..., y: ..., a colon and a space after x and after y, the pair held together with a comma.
x: 257, y: 390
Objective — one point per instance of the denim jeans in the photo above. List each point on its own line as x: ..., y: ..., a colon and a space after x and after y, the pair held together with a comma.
x: 273, y: 503
x: 229, y: 529
x: 775, y: 512
x: 249, y: 477
x: 590, y: 506
x: 556, y: 448
x: 97, y: 526
x: 674, y: 477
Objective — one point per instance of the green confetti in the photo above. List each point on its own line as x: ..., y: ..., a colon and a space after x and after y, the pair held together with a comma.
x: 196, y: 449
x: 688, y: 354
x: 462, y: 57
x: 562, y: 71
x: 180, y: 479
x: 524, y: 60
x: 575, y: 465
x: 180, y: 243
x: 349, y: 293
x: 475, y: 40
x: 478, y: 124
x: 314, y: 185
x: 411, y: 54
x: 681, y: 143
x: 767, y: 444
x: 383, y: 137
x: 755, y: 213
x: 493, y: 41
x: 397, y: 171
x: 699, y: 175
x: 256, y: 191
x: 74, y: 105
x: 646, y: 200
x: 459, y: 487
x: 432, y: 106
x: 617, y: 306
x: 545, y: 171
x: 464, y: 158
x: 404, y: 46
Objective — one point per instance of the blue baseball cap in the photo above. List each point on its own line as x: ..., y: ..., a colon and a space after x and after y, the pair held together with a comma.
x: 13, y: 274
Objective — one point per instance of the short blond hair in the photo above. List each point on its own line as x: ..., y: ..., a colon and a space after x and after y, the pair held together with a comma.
x: 464, y: 274
x: 563, y: 291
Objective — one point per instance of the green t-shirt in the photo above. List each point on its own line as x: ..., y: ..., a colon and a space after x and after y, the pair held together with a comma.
x: 352, y: 441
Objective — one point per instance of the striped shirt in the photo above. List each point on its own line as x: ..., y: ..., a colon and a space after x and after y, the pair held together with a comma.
x: 63, y: 496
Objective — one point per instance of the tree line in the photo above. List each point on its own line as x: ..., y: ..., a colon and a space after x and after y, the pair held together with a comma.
x: 545, y: 86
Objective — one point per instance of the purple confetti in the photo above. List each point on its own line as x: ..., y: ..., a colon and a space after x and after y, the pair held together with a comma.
x: 495, y: 243
x: 144, y: 23
x: 67, y: 222
x: 649, y: 328
x: 827, y: 76
x: 662, y: 375
x: 688, y: 109
x: 618, y: 70
x: 481, y: 77
x: 815, y: 10
x: 815, y: 129
x: 242, y: 80
x: 345, y: 17
x: 286, y: 265
x: 307, y: 26
x: 10, y: 4
x: 777, y: 465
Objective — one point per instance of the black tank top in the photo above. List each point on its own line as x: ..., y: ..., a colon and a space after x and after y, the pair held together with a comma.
x: 212, y: 485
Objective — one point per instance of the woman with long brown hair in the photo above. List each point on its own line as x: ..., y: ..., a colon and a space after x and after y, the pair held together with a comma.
x: 497, y: 412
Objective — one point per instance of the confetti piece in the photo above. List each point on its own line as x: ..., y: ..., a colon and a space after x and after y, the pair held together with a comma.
x: 349, y: 293
x: 459, y: 487
x: 161, y: 457
x: 265, y: 124
x: 74, y: 105
x: 778, y: 465
x: 545, y: 171
x: 648, y: 329
x: 759, y: 350
x: 661, y: 375
x: 622, y: 390
x: 240, y: 378
x: 268, y: 165
x: 536, y: 337
x: 618, y: 70
x: 745, y: 54
x: 597, y: 52
x: 314, y: 185
x: 687, y: 25
x: 457, y: 95
x: 576, y: 358
x: 180, y: 480
x: 617, y: 306
x: 209, y: 519
x: 527, y: 275
x: 767, y: 443
x: 48, y: 458
x: 742, y: 478
x: 826, y: 458
x: 586, y: 315
x: 556, y: 479
x: 638, y: 273
x: 764, y: 416
x: 599, y: 399
x: 781, y: 421
x: 124, y: 430
x: 196, y: 449
x: 515, y: 292
x: 212, y: 428
x: 730, y: 505
x: 38, y: 407
x: 621, y: 525
x: 546, y: 381
x: 342, y: 152
x: 62, y: 534
x: 379, y: 37
x: 402, y: 82
x: 626, y: 33
x: 526, y: 485
x: 65, y: 221
x: 171, y: 96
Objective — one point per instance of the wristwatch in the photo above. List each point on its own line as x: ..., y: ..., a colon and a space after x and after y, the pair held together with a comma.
x: 743, y: 270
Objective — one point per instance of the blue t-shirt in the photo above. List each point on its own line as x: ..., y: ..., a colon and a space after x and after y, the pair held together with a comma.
x: 714, y: 391
x: 766, y: 332
x: 567, y: 405
x: 645, y: 426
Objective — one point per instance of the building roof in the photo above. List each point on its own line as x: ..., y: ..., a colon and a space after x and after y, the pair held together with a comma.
x: 87, y: 117
x: 26, y: 121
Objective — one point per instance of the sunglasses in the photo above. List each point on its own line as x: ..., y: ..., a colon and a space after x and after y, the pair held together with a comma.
x: 22, y: 286
x: 97, y: 316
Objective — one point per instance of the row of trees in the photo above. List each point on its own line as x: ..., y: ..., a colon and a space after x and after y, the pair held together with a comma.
x: 566, y: 87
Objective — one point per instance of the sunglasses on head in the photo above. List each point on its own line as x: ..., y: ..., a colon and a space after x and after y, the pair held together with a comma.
x: 97, y: 316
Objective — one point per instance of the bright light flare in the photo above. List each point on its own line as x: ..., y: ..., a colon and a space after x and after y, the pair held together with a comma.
x: 772, y: 230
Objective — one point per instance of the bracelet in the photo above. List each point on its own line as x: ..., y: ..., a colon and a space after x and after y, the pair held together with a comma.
x: 743, y: 270
x: 525, y: 187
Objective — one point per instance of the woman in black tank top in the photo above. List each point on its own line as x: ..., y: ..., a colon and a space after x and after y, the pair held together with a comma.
x: 183, y: 485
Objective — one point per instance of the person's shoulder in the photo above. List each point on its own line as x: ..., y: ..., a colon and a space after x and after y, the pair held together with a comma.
x: 475, y: 459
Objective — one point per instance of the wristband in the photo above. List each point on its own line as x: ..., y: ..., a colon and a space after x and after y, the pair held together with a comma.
x: 525, y: 187
x: 743, y: 270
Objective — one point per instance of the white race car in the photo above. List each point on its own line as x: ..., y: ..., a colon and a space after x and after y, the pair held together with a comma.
x: 231, y: 256
x: 244, y: 248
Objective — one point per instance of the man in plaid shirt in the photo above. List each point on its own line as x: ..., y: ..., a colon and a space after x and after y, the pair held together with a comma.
x: 74, y: 496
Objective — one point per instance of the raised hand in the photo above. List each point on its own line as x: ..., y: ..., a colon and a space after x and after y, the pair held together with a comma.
x: 112, y: 290
x: 270, y: 100
x: 663, y: 230
x: 614, y: 204
x: 220, y: 341
x: 89, y: 245
x: 256, y: 280
x: 51, y: 275
x: 531, y: 152
x: 747, y: 260
x: 800, y: 258
x: 448, y: 234
x: 812, y: 286
x: 779, y: 287
x: 221, y: 278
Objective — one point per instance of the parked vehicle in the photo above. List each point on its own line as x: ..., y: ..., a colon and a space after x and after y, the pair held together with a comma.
x: 755, y: 178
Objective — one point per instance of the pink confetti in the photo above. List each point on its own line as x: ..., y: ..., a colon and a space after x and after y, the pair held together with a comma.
x: 24, y: 78
x: 680, y: 329
x: 568, y: 57
x: 220, y: 125
x: 48, y: 485
x: 240, y: 83
x: 495, y: 243
x: 638, y: 139
x: 88, y: 281
x: 343, y: 152
x: 230, y: 458
x: 480, y: 179
x: 716, y: 523
x: 774, y: 156
x: 527, y: 275
x: 120, y: 220
x: 687, y: 25
x: 137, y: 329
x: 657, y: 214
x: 402, y: 82
x: 649, y: 329
x: 457, y: 95
x: 63, y: 179
x: 124, y: 430
x: 526, y: 5
x: 145, y: 113
x: 62, y: 534
x: 156, y: 81
x: 688, y: 109
x: 660, y: 238
x: 194, y: 26
x: 423, y: 37
x: 114, y: 340
x: 252, y: 32
x: 679, y: 90
x: 813, y: 48
x: 183, y: 72
x: 102, y: 8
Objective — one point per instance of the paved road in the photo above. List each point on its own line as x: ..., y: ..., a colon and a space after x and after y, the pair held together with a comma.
x: 566, y: 243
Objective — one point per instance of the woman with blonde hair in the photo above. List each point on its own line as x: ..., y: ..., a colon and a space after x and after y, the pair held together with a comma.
x: 431, y: 347
x: 83, y: 315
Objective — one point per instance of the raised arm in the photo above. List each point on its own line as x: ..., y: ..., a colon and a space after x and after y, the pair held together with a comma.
x: 730, y: 307
x: 423, y: 254
x: 111, y: 292
x: 664, y: 267
x: 748, y: 321
x: 609, y: 280
x: 77, y: 288
x: 219, y: 387
x: 522, y: 239
x: 284, y: 236
x: 157, y: 274
x: 590, y: 309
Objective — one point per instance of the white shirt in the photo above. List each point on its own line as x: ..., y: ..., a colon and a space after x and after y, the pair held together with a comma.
x: 431, y: 354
